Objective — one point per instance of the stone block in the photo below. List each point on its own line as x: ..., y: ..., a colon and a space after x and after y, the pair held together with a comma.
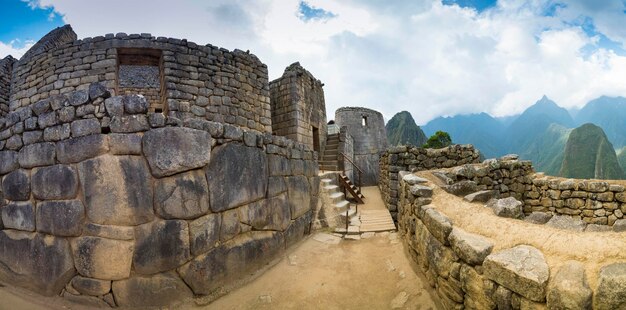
x: 82, y: 148
x: 268, y: 214
x: 135, y: 104
x: 85, y: 127
x: 78, y: 97
x: 566, y: 222
x: 109, y: 231
x: 97, y: 90
x: 278, y: 165
x: 481, y: 196
x: 522, y: 269
x: 412, y: 179
x: 38, y: 154
x: 183, y: 196
x: 230, y: 225
x: 506, y: 207
x: 469, y: 247
x: 569, y: 288
x: 236, y: 166
x: 114, y: 106
x: 8, y: 161
x: 93, y: 257
x: 19, y: 215
x: 125, y: 144
x: 16, y: 185
x: 421, y: 191
x: 477, y: 288
x: 461, y: 188
x: 172, y: 150
x: 159, y: 290
x: 127, y: 194
x: 439, y: 256
x: 276, y: 186
x: 299, y: 195
x: 538, y: 218
x: 37, y: 262
x: 232, y: 261
x: 611, y: 290
x: 437, y: 224
x: 161, y: 246
x: 54, y: 182
x: 92, y: 287
x: 129, y: 124
x: 204, y: 233
x: 298, y: 229
x: 62, y: 218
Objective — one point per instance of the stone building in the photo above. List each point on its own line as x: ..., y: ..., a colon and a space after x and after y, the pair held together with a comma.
x: 155, y: 151
x: 367, y: 129
x: 298, y: 108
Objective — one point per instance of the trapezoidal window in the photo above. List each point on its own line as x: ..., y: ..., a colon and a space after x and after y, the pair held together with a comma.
x: 140, y: 71
x: 364, y: 121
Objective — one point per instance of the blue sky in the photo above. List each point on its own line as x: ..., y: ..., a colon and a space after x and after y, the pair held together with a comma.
x: 430, y: 57
x: 19, y: 21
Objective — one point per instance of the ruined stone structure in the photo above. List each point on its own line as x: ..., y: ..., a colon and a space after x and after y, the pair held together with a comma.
x: 6, y: 68
x: 412, y: 158
x: 495, y: 260
x: 174, y: 189
x: 367, y: 129
x: 298, y: 107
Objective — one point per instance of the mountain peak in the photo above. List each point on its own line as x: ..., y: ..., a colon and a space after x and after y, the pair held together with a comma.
x: 401, y: 129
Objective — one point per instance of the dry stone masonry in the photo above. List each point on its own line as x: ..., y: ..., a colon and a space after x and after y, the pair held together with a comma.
x: 367, y: 129
x: 411, y: 158
x: 190, y: 200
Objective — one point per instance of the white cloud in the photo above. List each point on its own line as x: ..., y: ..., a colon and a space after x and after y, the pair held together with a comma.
x: 421, y: 56
x: 14, y: 48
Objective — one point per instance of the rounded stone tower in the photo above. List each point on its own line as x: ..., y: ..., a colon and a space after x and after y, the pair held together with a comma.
x: 367, y: 128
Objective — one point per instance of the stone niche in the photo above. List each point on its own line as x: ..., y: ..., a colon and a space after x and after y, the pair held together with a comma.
x: 140, y: 71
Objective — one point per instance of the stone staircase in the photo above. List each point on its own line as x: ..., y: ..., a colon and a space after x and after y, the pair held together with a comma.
x: 340, y: 203
x: 328, y: 161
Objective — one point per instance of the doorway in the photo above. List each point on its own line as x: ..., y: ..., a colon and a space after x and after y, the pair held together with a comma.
x: 316, y: 139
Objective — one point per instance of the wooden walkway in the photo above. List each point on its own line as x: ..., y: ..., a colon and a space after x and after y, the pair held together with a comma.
x: 374, y: 215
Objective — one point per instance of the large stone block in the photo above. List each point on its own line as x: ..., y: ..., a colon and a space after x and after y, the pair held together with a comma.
x: 522, y: 269
x: 55, y: 182
x: 183, y: 196
x: 437, y: 223
x: 121, y: 183
x: 569, y: 288
x: 150, y: 291
x: 461, y: 188
x: 278, y: 165
x: 38, y: 154
x: 16, y: 185
x: 171, y: 150
x: 231, y: 225
x: 102, y: 258
x: 8, y: 161
x: 35, y: 261
x: 60, y: 217
x: 232, y: 261
x: 439, y: 256
x: 204, y: 233
x: 237, y: 175
x: 298, y: 228
x: 506, y: 207
x: 161, y: 246
x: 611, y: 290
x: 82, y: 148
x: 19, y: 215
x: 125, y: 144
x: 299, y: 194
x: 268, y: 214
x: 470, y: 247
x: 89, y: 286
x: 109, y: 231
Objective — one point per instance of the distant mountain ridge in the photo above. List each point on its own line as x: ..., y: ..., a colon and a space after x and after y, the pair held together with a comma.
x: 401, y: 129
x: 541, y: 132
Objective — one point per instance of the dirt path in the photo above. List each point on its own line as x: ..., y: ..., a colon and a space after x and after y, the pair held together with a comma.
x: 364, y: 274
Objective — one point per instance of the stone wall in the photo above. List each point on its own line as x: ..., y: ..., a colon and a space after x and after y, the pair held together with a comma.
x: 593, y: 201
x: 204, y: 82
x: 6, y: 69
x: 412, y: 158
x: 298, y: 106
x: 471, y: 271
x: 186, y: 208
x: 367, y: 128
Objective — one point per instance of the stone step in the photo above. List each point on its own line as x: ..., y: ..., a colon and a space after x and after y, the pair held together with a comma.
x: 331, y: 188
x: 336, y: 197
x: 342, y: 206
x: 328, y: 168
x: 351, y: 213
x: 329, y: 157
x: 326, y: 181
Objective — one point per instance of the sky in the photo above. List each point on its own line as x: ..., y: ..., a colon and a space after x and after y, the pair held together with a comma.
x: 429, y: 57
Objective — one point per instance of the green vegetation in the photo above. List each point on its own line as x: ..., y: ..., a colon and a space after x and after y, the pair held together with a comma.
x: 439, y: 140
x: 589, y: 155
x: 401, y: 130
